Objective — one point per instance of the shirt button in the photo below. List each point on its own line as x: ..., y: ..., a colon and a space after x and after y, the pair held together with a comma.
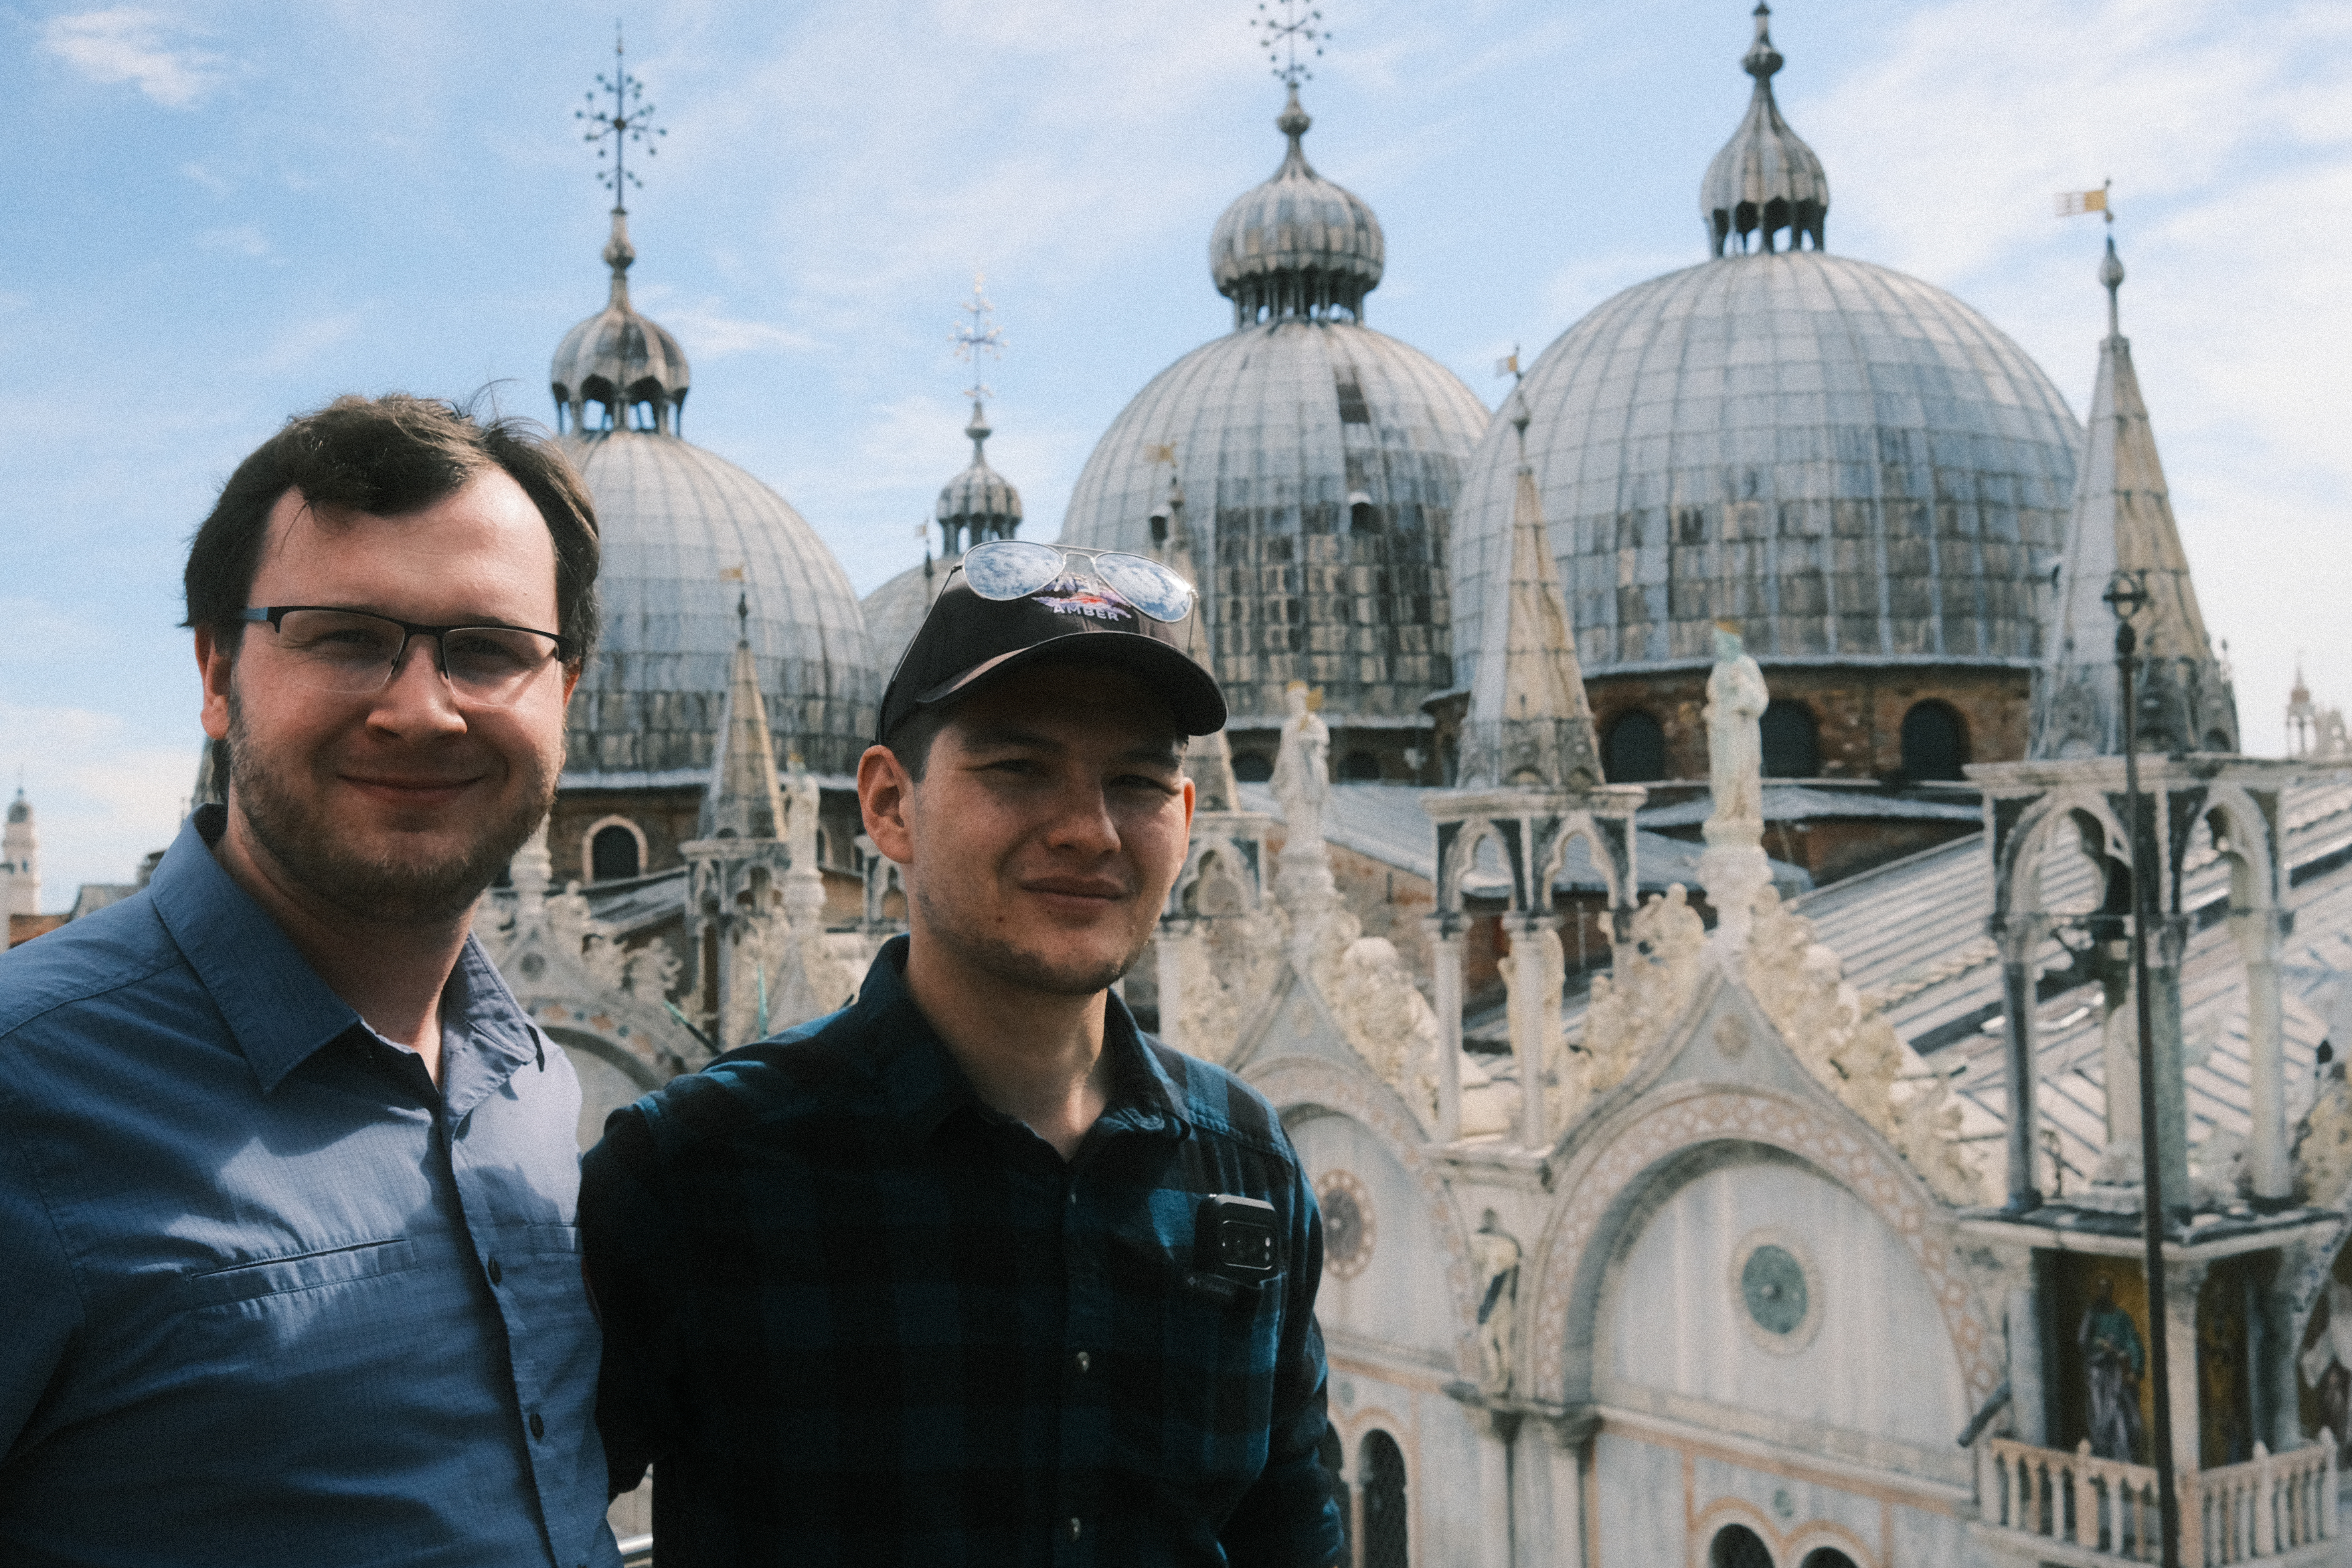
x: 496, y: 1273
x: 1075, y: 1527
x: 1082, y: 1360
x: 538, y: 1427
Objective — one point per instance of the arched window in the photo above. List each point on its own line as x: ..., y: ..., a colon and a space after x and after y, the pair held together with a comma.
x: 1360, y: 767
x: 615, y: 854
x: 1387, y: 1539
x: 1827, y: 1557
x: 1637, y: 749
x: 1792, y: 744
x: 1934, y: 741
x: 1330, y: 1452
x: 1252, y: 767
x: 1737, y: 1546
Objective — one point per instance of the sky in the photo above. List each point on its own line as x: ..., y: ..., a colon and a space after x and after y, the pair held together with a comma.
x: 222, y: 215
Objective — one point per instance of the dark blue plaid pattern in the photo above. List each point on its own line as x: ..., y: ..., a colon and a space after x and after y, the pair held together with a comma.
x: 854, y: 1316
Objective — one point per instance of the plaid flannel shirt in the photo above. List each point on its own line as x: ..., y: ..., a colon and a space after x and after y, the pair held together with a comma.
x: 852, y: 1315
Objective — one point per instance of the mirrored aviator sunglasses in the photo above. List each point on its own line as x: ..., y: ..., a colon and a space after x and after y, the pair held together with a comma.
x: 1005, y: 569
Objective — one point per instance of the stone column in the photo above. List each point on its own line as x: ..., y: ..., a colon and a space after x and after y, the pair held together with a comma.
x: 2165, y: 947
x: 2018, y: 939
x: 1536, y: 980
x: 2183, y: 1282
x: 2260, y: 935
x: 2028, y: 1405
x: 1445, y: 988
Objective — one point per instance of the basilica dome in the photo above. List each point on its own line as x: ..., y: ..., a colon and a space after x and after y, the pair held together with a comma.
x: 1849, y: 464
x: 977, y: 505
x: 688, y: 537
x: 1312, y: 464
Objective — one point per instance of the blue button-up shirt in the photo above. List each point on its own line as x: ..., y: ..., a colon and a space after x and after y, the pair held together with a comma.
x: 270, y: 1296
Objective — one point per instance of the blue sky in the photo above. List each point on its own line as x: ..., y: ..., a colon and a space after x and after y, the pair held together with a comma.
x: 223, y: 214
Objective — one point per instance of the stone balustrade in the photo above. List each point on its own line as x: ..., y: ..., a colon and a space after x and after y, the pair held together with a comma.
x: 2274, y: 1508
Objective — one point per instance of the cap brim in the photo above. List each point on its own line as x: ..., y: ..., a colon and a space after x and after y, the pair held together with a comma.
x: 1190, y: 693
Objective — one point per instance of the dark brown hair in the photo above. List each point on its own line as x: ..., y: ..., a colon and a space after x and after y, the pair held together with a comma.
x: 387, y: 457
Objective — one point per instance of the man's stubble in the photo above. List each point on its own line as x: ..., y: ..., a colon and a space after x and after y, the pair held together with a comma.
x: 377, y: 888
x: 1004, y: 960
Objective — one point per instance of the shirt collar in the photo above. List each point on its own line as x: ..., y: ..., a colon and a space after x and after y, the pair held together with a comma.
x: 278, y: 1009
x: 924, y: 1084
x: 276, y: 1004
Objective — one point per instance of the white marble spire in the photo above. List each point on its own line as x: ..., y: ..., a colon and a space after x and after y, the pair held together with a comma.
x: 745, y: 799
x: 2121, y: 521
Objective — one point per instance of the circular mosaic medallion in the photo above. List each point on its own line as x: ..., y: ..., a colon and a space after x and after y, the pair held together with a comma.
x: 1347, y: 1225
x: 1773, y: 1289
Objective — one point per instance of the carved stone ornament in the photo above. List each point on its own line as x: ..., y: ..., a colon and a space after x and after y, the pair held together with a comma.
x: 2323, y: 1145
x: 1855, y: 1052
x: 1651, y: 982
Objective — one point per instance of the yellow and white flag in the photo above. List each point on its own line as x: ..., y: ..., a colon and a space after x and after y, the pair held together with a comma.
x: 2074, y: 204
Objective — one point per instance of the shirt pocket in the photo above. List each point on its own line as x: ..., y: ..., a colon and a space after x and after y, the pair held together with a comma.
x: 1218, y: 1342
x: 302, y: 1271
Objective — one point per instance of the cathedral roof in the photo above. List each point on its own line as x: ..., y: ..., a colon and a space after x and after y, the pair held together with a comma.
x: 1316, y: 459
x: 1319, y: 461
x: 1849, y: 463
x: 1297, y: 245
x: 2121, y: 521
x: 684, y: 533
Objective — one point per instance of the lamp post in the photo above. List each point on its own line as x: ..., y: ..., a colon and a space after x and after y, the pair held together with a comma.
x: 2126, y: 596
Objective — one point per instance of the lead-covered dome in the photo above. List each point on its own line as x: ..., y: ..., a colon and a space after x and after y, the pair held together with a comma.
x: 1850, y: 463
x: 686, y: 534
x: 1315, y: 463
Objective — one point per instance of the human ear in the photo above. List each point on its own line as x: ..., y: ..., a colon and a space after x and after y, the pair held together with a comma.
x: 215, y: 663
x: 884, y: 799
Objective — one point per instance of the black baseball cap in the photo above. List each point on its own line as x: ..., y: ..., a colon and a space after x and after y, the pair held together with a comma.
x: 968, y: 641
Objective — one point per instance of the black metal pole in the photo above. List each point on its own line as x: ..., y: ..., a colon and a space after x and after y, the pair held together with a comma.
x: 2159, y: 1358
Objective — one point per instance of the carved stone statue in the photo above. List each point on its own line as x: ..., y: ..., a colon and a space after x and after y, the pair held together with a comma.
x: 1733, y: 867
x: 1736, y: 700
x: 1302, y: 768
x: 2113, y: 1360
x: 1498, y: 1256
x: 801, y: 801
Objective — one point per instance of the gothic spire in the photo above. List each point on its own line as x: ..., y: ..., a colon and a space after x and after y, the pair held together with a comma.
x: 1537, y: 731
x: 2121, y: 521
x: 745, y: 799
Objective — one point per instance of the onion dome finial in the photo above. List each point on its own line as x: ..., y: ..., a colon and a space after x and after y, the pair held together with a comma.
x: 1765, y: 179
x: 978, y: 504
x: 618, y: 359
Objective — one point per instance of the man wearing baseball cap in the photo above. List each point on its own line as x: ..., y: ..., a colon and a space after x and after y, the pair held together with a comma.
x: 973, y: 1271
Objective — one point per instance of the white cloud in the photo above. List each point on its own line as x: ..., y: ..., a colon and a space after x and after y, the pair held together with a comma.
x: 714, y: 334
x: 206, y: 178
x: 132, y: 44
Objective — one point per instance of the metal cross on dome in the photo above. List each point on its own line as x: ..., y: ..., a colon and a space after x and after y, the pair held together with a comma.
x: 979, y: 336
x: 629, y: 119
x: 1287, y: 29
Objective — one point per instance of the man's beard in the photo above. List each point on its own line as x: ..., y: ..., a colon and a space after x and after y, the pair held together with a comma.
x: 1017, y: 966
x: 379, y: 889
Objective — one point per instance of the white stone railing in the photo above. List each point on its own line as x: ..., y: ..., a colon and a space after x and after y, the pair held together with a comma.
x: 2271, y: 1506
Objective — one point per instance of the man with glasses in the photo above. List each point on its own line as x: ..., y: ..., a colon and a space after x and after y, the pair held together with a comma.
x: 287, y: 1181
x: 973, y: 1271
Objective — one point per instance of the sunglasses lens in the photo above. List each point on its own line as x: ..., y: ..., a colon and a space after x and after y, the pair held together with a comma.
x: 1148, y: 585
x: 1008, y: 568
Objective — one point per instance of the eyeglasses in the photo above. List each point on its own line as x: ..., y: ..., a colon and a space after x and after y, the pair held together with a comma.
x: 1015, y: 568
x: 354, y: 653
